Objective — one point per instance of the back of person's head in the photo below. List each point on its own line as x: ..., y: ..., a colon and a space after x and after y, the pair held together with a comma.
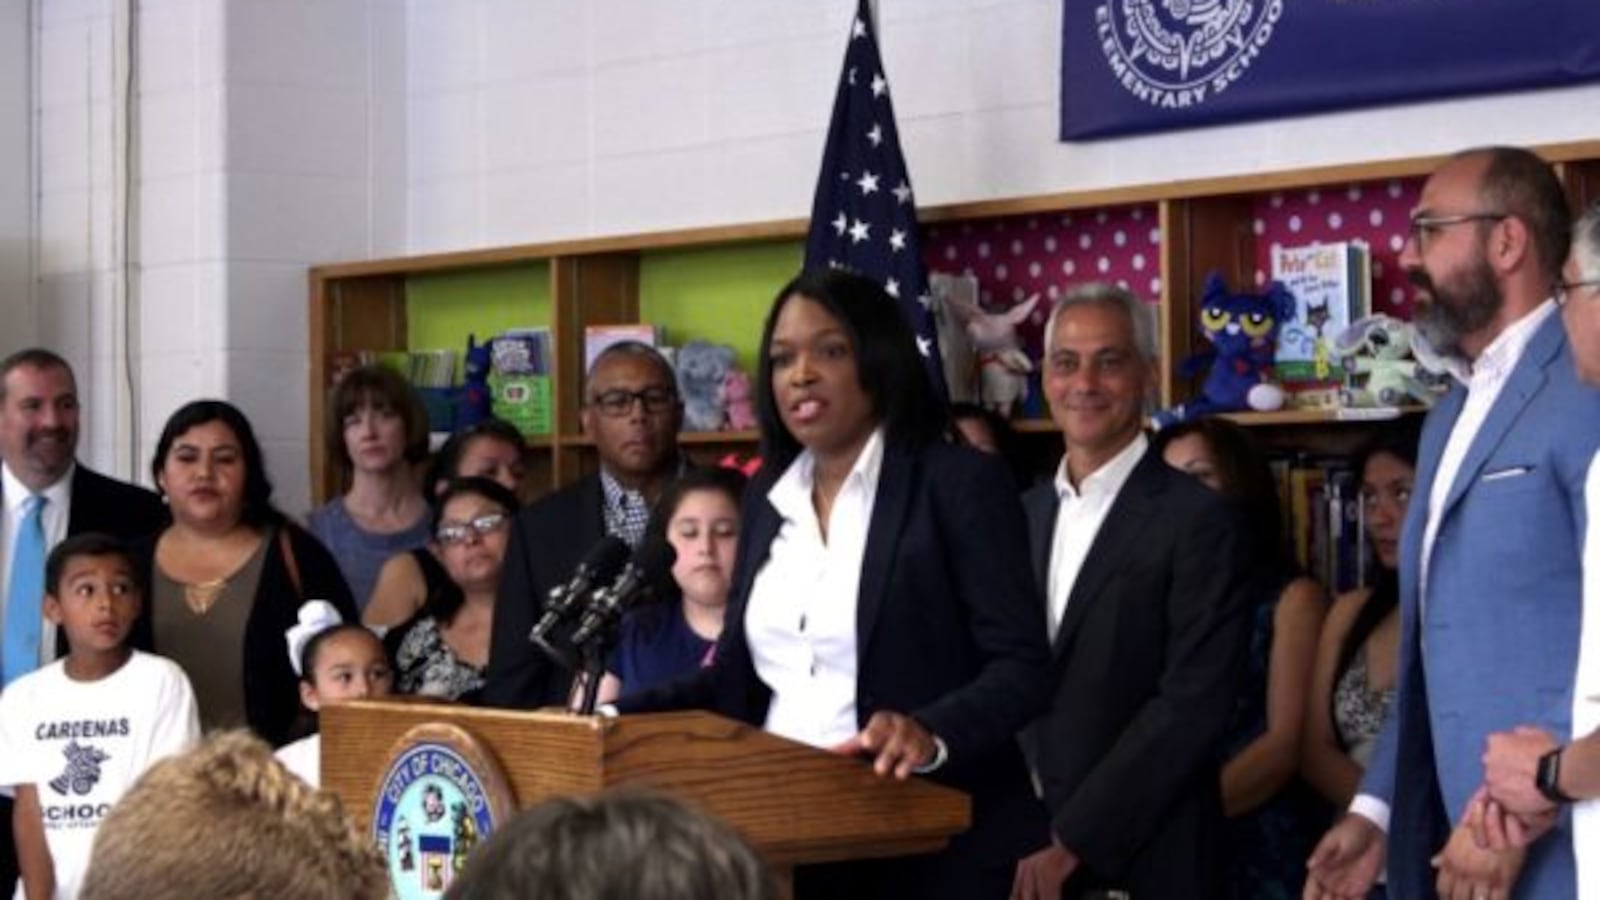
x: 1006, y: 445
x: 617, y: 846
x: 227, y: 820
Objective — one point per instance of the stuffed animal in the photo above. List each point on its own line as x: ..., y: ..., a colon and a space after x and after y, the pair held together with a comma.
x: 1003, y: 367
x: 1376, y: 352
x: 1243, y: 331
x: 702, y: 369
x: 736, y: 400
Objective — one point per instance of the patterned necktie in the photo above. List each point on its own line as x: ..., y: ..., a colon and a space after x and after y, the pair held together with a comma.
x: 25, y: 595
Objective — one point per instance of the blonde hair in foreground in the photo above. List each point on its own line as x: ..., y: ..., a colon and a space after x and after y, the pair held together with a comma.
x: 227, y: 820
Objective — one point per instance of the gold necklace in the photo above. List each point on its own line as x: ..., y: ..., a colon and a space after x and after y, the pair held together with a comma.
x: 200, y: 597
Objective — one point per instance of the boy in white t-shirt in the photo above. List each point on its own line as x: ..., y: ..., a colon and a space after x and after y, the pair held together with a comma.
x: 75, y: 734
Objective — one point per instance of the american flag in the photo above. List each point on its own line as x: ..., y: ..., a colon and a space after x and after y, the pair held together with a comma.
x: 864, y: 217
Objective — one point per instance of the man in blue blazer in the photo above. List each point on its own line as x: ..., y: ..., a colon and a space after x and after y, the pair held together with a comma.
x: 1490, y: 575
x: 1143, y: 587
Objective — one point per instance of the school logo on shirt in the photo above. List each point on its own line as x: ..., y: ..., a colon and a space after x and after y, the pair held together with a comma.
x: 441, y: 795
x: 83, y: 769
x: 1174, y: 54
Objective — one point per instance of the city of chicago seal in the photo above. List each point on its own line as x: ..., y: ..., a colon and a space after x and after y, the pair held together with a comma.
x: 1176, y: 54
x: 441, y: 795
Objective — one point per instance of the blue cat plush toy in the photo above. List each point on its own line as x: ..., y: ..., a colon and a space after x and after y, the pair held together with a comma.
x: 1243, y: 331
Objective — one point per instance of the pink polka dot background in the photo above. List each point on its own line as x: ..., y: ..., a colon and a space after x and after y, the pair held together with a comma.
x: 1377, y: 212
x: 1015, y: 257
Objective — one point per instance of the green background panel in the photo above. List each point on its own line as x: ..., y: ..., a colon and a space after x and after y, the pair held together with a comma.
x: 442, y: 309
x: 719, y: 295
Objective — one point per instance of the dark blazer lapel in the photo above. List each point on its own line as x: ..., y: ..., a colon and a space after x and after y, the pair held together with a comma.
x: 1041, y: 504
x: 1524, y: 381
x: 1120, y: 535
x: 896, y: 476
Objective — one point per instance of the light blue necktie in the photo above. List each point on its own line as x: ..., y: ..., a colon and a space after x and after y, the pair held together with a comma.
x: 25, y: 595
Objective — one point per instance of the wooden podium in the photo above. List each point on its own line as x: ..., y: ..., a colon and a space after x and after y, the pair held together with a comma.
x: 795, y: 803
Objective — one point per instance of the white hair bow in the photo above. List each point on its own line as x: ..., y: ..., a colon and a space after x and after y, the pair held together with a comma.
x: 316, y: 616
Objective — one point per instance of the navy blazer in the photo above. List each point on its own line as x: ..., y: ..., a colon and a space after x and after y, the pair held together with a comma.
x: 948, y: 632
x: 1149, y: 660
x: 548, y: 540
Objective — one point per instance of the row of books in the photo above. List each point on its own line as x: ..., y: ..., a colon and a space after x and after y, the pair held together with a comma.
x: 1325, y: 520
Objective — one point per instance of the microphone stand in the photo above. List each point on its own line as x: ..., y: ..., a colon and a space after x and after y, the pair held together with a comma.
x: 594, y: 668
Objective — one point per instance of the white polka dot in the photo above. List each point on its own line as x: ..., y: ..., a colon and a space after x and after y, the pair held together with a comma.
x: 1397, y: 296
x: 1396, y: 189
x: 1016, y: 248
x: 1155, y: 287
x: 1120, y: 238
x: 1017, y: 293
x: 1085, y: 241
x: 1375, y: 217
x: 1155, y: 237
x: 1276, y: 201
x: 1101, y: 217
x: 1294, y: 224
x: 1313, y: 197
x: 983, y: 249
x: 1068, y: 267
x: 1138, y: 214
x: 1259, y: 227
x: 1001, y: 273
x: 1123, y: 283
x: 1377, y: 269
x: 968, y: 273
x: 1261, y: 278
x: 950, y: 252
x: 1034, y: 269
x: 1397, y: 242
x: 1335, y: 221
x: 1138, y: 262
x: 1354, y: 193
x: 1050, y: 244
x: 1052, y: 292
x: 1103, y: 264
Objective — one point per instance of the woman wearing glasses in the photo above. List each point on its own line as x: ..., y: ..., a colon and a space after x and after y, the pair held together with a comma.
x: 443, y: 649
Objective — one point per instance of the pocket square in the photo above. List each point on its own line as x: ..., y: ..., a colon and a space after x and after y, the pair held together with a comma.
x: 1508, y: 472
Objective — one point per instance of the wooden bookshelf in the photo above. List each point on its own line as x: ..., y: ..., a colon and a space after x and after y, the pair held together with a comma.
x: 1200, y: 226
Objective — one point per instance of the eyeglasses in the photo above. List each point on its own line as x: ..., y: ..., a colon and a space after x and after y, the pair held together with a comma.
x: 1564, y: 287
x: 466, y: 532
x: 619, y: 403
x: 1424, y: 227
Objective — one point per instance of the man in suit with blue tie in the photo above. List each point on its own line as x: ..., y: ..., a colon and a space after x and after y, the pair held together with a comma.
x: 46, y: 496
x: 1490, y: 574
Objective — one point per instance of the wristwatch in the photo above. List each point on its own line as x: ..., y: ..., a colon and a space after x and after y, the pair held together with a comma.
x: 1548, y: 776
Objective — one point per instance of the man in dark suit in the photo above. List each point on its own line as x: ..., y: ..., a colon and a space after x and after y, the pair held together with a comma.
x: 38, y: 447
x: 632, y: 410
x: 1142, y: 573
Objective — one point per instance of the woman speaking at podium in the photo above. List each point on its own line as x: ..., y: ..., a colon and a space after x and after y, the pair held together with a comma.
x: 883, y: 602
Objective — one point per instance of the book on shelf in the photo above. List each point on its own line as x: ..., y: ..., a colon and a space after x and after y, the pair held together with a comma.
x: 519, y: 379
x: 1332, y: 287
x: 1324, y: 521
x: 596, y: 338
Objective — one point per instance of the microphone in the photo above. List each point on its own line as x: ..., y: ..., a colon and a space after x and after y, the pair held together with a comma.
x: 650, y: 562
x: 597, y: 567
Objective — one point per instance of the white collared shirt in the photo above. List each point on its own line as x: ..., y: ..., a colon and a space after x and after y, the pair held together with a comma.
x: 54, y: 519
x: 801, y: 619
x: 1485, y: 379
x: 1080, y: 512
